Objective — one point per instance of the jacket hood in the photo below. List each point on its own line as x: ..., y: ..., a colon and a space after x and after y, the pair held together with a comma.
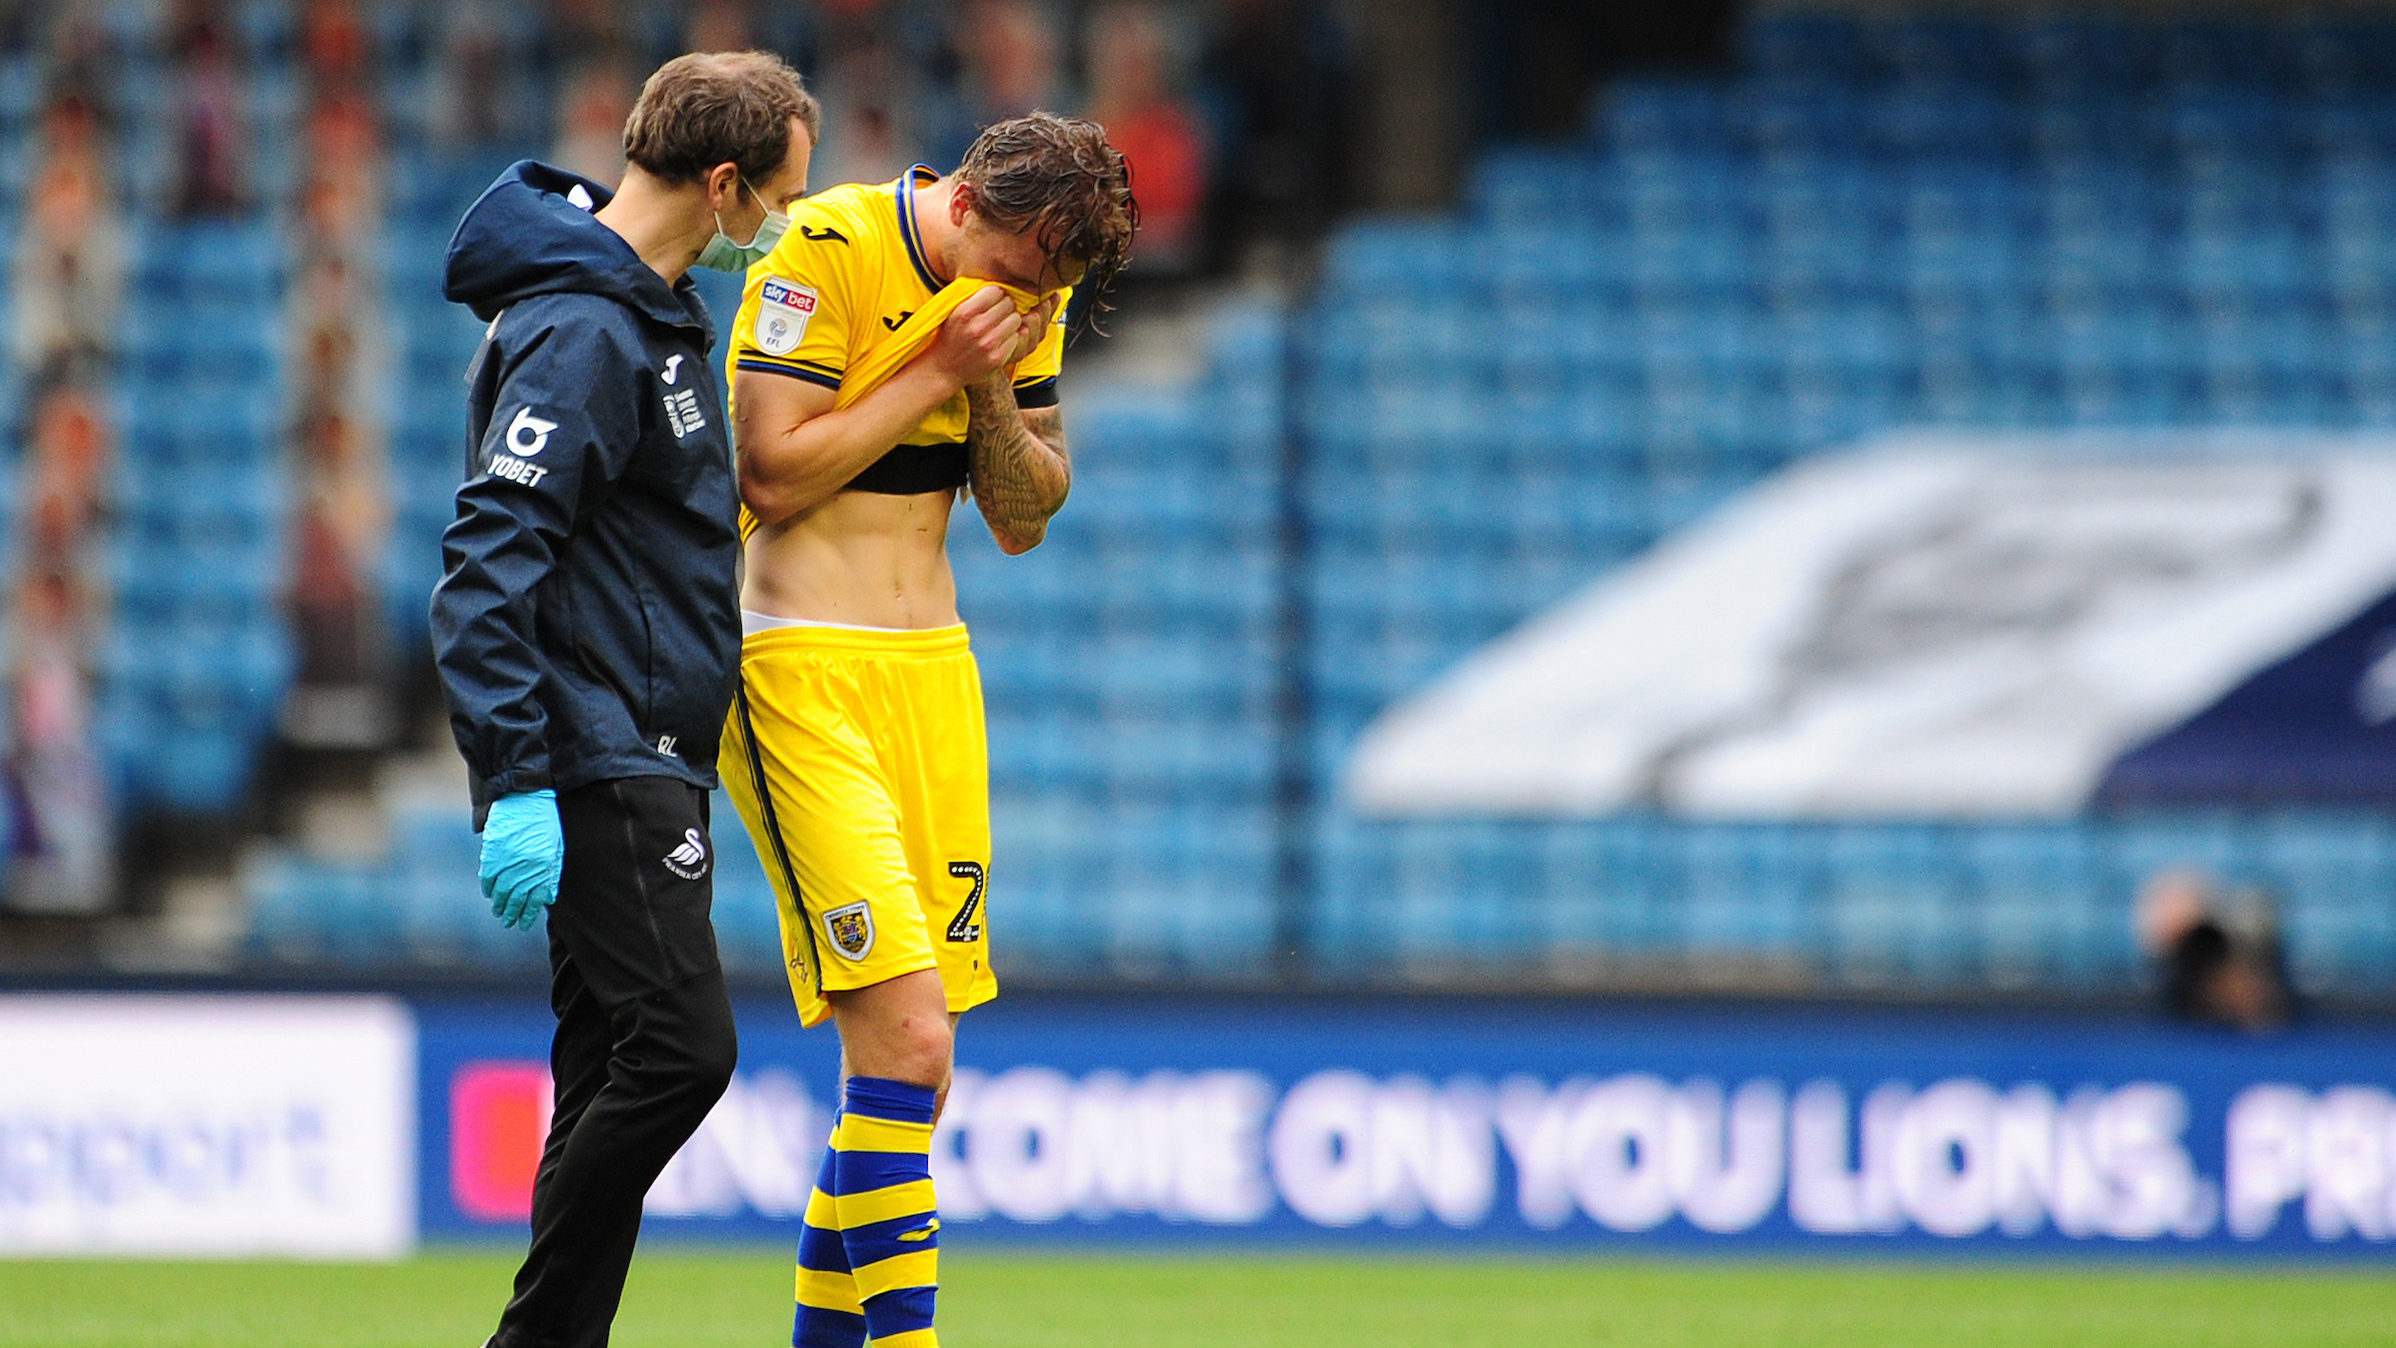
x: 533, y: 233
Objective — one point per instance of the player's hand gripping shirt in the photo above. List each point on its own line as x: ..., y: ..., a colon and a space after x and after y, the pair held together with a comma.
x: 838, y: 288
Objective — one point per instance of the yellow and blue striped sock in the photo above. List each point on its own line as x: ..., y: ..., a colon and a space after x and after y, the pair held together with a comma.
x: 828, y: 1314
x: 882, y: 1195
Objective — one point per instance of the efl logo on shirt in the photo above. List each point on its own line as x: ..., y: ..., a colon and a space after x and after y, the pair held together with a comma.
x: 783, y: 309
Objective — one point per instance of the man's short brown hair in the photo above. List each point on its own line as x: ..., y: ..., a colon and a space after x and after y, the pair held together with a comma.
x: 1057, y: 179
x: 710, y: 108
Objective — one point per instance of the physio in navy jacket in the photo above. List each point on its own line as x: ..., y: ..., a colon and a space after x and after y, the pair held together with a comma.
x: 587, y: 630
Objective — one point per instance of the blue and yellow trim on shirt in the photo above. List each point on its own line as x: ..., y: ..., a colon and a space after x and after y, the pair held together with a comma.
x: 812, y: 371
x: 919, y: 176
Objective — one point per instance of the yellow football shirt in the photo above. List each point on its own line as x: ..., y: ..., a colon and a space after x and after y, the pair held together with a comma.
x: 849, y: 272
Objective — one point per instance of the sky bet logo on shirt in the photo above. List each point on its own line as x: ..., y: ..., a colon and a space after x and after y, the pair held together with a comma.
x: 782, y: 313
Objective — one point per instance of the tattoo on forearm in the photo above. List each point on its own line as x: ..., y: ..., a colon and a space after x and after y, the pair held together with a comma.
x: 1020, y: 469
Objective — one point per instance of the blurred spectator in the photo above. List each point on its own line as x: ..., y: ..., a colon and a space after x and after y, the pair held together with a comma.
x: 334, y: 44
x: 717, y: 25
x: 2219, y: 960
x: 583, y: 31
x: 1008, y: 54
x: 64, y: 474
x: 342, y: 520
x: 341, y: 697
x: 485, y: 81
x: 62, y: 853
x: 61, y: 834
x: 341, y: 359
x: 68, y: 277
x: 211, y: 164
x: 69, y: 268
x: 868, y: 90
x: 342, y: 203
x: 77, y: 50
x: 1135, y: 94
x: 591, y: 116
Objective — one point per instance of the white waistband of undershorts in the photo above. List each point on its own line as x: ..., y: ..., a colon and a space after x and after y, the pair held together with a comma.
x: 753, y: 622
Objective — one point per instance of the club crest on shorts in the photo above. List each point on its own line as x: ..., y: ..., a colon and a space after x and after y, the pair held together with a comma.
x: 690, y: 859
x: 851, y: 929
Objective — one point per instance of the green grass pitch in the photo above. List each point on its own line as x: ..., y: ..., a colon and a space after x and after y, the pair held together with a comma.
x: 702, y: 1299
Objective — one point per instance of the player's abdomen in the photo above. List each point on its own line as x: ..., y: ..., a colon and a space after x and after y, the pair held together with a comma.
x: 859, y: 558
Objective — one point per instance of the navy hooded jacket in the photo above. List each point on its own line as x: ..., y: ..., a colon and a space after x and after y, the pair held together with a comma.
x: 587, y: 624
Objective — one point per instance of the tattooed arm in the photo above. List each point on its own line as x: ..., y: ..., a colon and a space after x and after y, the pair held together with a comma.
x: 1021, y: 472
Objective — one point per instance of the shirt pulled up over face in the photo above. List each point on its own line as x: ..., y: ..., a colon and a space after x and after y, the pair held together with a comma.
x: 848, y: 296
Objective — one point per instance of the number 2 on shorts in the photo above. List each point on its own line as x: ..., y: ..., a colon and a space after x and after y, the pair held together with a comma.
x: 963, y: 927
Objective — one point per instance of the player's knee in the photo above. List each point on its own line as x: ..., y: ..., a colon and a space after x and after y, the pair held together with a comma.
x: 920, y: 1050
x: 909, y: 1045
x: 897, y: 1030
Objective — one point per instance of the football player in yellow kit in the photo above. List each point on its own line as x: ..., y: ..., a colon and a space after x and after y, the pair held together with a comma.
x: 901, y: 343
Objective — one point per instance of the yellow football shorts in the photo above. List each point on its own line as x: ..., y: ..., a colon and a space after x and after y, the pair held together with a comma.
x: 860, y: 763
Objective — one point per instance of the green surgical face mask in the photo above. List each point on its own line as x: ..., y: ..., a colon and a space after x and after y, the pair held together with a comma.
x: 722, y: 254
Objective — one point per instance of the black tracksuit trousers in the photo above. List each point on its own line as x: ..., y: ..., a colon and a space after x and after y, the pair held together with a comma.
x: 644, y: 1045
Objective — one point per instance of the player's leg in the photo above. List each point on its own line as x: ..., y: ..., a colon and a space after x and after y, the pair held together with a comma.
x: 895, y: 1038
x: 634, y: 927
x: 938, y: 763
x: 898, y: 1036
x: 758, y: 774
x: 828, y: 1314
x: 809, y: 783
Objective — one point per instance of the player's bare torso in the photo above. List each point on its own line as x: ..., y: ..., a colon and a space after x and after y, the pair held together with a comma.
x: 861, y: 558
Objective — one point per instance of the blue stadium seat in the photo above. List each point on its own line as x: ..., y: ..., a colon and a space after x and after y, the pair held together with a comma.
x: 1958, y: 52
x: 2041, y: 903
x: 1893, y: 914
x: 1814, y: 46
x: 20, y: 92
x: 1945, y: 120
x: 200, y: 769
x: 437, y: 910
x: 1667, y: 116
x: 229, y: 262
x: 2335, y: 882
x: 2005, y: 222
x: 1749, y: 891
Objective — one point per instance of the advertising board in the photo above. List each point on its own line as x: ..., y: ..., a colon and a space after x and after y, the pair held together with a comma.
x: 1526, y: 1125
x: 214, y: 1126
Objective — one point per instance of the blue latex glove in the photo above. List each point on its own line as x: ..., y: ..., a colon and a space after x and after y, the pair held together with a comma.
x: 524, y: 851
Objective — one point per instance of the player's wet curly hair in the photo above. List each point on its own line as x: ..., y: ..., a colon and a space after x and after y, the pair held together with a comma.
x: 1058, y: 178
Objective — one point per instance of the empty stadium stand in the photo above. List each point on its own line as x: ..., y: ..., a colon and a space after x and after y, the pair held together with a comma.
x: 2037, y: 224
x: 2054, y: 223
